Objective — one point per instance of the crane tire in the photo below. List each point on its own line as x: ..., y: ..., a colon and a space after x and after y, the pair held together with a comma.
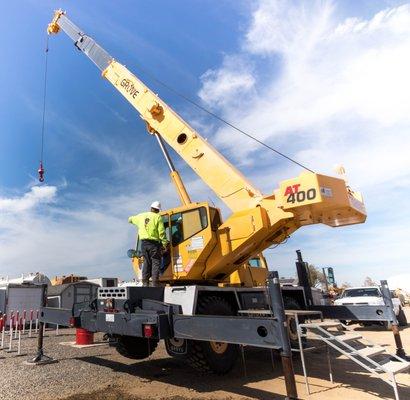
x: 401, y: 318
x: 212, y: 357
x: 136, y: 348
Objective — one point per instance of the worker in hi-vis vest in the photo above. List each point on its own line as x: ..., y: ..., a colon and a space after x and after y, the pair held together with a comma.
x: 151, y: 232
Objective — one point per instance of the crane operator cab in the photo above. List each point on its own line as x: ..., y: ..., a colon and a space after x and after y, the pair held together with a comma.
x: 192, y: 232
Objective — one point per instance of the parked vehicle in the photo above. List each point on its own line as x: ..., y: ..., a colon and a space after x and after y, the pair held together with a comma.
x: 370, y: 295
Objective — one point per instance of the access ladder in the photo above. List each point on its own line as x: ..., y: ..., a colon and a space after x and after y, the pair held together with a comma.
x: 353, y: 345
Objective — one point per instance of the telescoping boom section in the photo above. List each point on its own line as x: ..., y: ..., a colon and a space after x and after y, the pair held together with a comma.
x: 216, y: 249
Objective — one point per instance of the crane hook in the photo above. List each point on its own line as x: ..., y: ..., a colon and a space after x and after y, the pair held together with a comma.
x: 41, y: 172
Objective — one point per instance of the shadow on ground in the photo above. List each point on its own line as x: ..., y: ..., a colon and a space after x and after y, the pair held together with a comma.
x: 114, y: 394
x: 260, y: 366
x: 176, y: 372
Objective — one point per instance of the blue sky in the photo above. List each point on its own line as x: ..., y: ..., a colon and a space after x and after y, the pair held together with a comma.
x: 324, y: 81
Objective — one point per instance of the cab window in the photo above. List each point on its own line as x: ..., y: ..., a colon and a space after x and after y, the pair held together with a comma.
x: 165, y: 220
x: 176, y: 229
x: 215, y: 219
x: 255, y: 262
x: 187, y: 224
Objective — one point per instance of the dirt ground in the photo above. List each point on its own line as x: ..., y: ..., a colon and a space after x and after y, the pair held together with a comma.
x: 100, y: 373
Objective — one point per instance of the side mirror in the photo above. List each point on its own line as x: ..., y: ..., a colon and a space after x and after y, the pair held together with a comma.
x: 131, y: 253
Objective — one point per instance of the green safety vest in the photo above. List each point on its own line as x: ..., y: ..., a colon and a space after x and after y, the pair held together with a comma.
x: 150, y: 226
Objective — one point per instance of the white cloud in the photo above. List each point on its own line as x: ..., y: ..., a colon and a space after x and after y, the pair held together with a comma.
x: 89, y: 239
x: 37, y: 195
x: 331, y: 91
x: 327, y: 90
x: 234, y: 78
x: 401, y: 281
x: 280, y: 27
x: 39, y: 232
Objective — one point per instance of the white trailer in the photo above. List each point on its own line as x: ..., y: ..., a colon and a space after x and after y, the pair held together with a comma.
x: 19, y: 298
x: 31, y: 278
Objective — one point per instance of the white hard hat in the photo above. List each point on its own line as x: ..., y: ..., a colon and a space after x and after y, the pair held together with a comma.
x: 156, y: 205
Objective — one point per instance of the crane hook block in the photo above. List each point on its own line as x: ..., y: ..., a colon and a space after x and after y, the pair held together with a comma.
x: 41, y: 172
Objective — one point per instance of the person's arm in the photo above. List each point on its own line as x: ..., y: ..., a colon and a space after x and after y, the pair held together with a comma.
x: 133, y: 219
x: 161, y: 232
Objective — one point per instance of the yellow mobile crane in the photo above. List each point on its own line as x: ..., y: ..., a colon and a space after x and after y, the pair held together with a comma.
x: 204, y: 249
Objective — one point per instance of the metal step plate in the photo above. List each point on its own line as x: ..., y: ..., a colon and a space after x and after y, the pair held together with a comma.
x: 395, y: 367
x: 324, y: 325
x: 349, y: 336
x: 370, y: 351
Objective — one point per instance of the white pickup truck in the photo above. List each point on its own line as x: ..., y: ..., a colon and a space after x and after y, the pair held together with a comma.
x: 370, y: 295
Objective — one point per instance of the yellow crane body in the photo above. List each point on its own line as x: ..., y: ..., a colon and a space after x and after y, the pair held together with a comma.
x: 203, y: 248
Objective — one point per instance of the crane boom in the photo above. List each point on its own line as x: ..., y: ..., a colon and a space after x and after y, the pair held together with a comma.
x: 217, y: 172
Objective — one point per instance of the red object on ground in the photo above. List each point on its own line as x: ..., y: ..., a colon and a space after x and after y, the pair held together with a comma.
x: 83, y: 337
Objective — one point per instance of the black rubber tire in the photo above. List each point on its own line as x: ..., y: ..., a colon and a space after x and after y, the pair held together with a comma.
x: 291, y: 304
x: 200, y: 354
x: 136, y: 348
x: 168, y: 344
x: 401, y: 318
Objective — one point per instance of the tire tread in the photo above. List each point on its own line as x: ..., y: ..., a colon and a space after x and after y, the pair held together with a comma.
x: 196, y: 357
x: 135, y: 348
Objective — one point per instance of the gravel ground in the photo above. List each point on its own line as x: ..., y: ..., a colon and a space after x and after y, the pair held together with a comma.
x: 100, y: 373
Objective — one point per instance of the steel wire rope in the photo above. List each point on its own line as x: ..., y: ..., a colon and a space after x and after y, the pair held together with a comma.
x: 44, y: 100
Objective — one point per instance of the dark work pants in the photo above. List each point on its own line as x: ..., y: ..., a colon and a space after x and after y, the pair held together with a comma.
x: 152, y: 253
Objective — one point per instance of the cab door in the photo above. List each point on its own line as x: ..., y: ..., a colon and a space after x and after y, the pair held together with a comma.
x: 191, y: 240
x: 166, y: 264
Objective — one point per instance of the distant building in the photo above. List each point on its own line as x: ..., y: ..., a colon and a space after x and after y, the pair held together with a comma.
x: 62, y: 280
x: 104, y: 282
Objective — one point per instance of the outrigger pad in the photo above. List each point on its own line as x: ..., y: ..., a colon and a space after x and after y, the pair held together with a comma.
x: 40, y: 359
